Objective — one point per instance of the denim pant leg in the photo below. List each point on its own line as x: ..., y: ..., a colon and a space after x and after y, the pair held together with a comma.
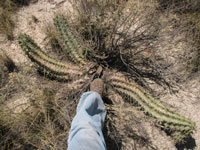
x: 86, y: 128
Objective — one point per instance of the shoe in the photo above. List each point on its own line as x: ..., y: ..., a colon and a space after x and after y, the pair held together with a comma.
x: 97, y: 85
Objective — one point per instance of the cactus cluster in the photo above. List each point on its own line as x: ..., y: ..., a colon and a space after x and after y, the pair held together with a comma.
x: 179, y: 126
x: 46, y: 63
x: 68, y: 40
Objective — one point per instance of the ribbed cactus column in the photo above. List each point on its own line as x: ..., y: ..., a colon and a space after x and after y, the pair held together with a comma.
x: 179, y: 126
x: 69, y: 41
x: 46, y: 63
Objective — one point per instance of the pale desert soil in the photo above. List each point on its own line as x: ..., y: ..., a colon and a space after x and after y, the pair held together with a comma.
x: 186, y: 101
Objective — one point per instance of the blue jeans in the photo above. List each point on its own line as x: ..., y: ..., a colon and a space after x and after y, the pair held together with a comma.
x: 86, y: 128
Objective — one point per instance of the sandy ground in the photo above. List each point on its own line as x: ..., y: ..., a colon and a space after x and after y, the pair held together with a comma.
x: 186, y: 101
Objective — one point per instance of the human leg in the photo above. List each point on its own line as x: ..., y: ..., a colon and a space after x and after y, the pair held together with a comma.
x: 86, y: 129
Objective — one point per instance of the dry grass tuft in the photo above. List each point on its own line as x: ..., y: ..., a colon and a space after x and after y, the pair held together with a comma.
x: 7, y: 20
x: 6, y: 66
x: 34, y: 116
x: 52, y: 37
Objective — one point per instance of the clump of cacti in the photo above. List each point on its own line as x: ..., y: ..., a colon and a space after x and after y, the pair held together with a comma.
x: 46, y: 63
x: 179, y: 126
x: 68, y: 40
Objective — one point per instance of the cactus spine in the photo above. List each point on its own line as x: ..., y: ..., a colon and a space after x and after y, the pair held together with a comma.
x: 175, y: 123
x: 69, y: 41
x: 46, y: 64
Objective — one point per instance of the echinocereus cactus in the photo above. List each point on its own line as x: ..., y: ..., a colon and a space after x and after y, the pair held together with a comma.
x: 46, y: 63
x: 179, y: 126
x: 69, y: 41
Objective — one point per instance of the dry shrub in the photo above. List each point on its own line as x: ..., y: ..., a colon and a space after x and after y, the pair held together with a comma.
x: 122, y: 35
x: 118, y: 34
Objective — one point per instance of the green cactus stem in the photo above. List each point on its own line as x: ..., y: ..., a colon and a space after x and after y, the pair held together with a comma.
x: 46, y: 63
x: 69, y: 41
x: 168, y: 119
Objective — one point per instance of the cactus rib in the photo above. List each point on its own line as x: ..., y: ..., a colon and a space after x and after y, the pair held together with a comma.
x: 155, y: 108
x: 69, y: 41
